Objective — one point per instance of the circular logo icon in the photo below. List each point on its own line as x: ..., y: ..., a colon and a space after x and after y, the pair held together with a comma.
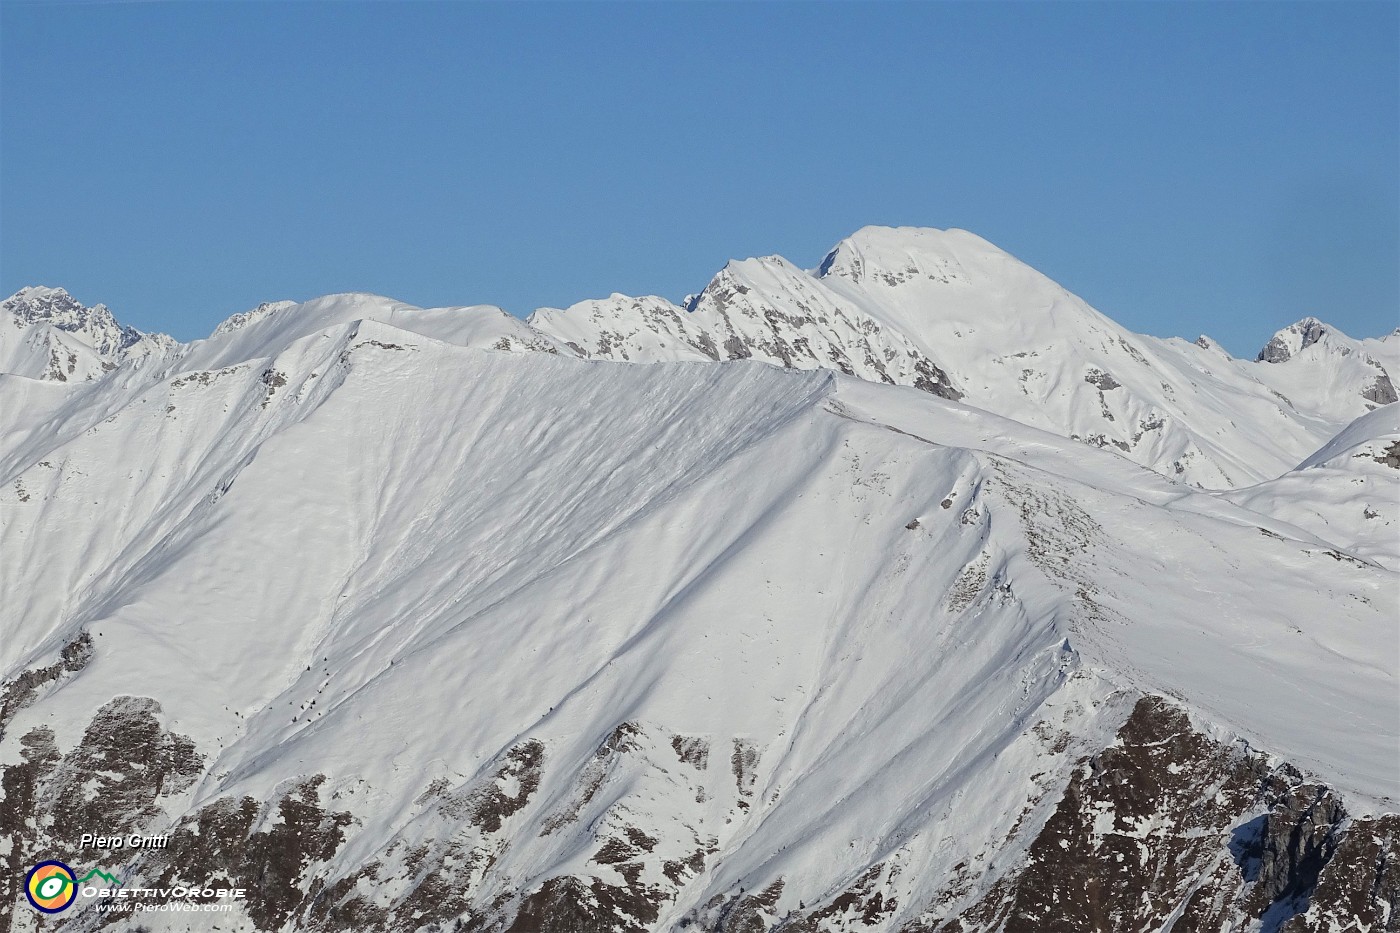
x: 51, y: 887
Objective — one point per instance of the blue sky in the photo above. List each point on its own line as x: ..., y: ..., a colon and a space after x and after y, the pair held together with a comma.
x: 1187, y: 168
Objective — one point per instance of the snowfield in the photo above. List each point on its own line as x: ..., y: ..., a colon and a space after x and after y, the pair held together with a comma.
x: 830, y: 601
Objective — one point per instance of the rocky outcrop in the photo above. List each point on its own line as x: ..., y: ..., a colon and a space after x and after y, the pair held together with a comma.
x: 1288, y: 342
x: 760, y: 309
x: 55, y: 307
x: 1296, y: 839
x: 1358, y: 888
x: 116, y: 780
x: 1165, y: 829
x: 20, y: 692
x: 1382, y: 391
x: 219, y: 846
x: 1170, y: 829
x: 1138, y: 827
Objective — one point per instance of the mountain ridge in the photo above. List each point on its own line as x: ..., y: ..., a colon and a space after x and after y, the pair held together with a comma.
x: 944, y: 311
x: 418, y: 619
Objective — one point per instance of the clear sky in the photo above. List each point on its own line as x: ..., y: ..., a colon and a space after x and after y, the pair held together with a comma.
x: 1187, y: 168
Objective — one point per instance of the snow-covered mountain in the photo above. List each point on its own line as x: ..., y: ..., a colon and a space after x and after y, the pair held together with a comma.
x: 1328, y: 369
x: 47, y: 334
x: 434, y: 619
x: 949, y: 313
x: 1345, y: 492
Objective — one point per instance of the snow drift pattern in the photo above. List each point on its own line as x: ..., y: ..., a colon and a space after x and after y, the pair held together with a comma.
x: 416, y: 619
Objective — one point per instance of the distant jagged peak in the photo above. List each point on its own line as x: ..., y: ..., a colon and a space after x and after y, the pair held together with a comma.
x: 1208, y: 343
x: 38, y: 293
x: 95, y: 325
x: 1319, y: 354
x: 1292, y: 340
x: 41, y: 303
x: 243, y: 318
x: 766, y: 274
x: 615, y: 307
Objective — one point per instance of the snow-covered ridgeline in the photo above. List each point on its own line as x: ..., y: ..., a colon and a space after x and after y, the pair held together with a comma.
x: 468, y: 628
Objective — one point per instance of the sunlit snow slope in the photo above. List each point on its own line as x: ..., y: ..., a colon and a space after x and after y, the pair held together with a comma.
x: 950, y: 313
x: 419, y: 619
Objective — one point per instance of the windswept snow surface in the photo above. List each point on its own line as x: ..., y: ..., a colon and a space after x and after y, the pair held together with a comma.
x: 948, y: 312
x: 1344, y: 493
x: 801, y: 622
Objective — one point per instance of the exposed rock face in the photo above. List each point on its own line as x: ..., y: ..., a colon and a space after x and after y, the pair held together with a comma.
x: 56, y: 307
x: 1359, y: 887
x: 242, y: 319
x: 24, y: 689
x: 1382, y: 391
x: 1101, y: 379
x: 568, y: 904
x: 220, y: 846
x: 1158, y: 832
x: 1293, y: 340
x: 1288, y: 342
x: 1297, y: 838
x: 1138, y: 827
x: 762, y: 309
x: 45, y: 333
x: 116, y: 780
x: 1164, y: 829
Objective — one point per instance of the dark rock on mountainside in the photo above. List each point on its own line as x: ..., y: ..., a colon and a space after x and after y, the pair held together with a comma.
x: 1137, y: 829
x: 113, y: 781
x: 23, y: 690
x: 219, y: 847
x: 1359, y: 886
x: 1382, y: 391
x: 1295, y: 840
x: 1309, y: 331
x: 1165, y: 828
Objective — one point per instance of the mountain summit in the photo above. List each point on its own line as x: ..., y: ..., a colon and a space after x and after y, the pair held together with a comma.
x: 951, y: 314
x: 1286, y: 344
x: 909, y: 594
x: 46, y: 333
x: 56, y: 308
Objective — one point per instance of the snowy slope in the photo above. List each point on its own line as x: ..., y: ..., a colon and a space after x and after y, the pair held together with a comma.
x: 950, y: 313
x: 270, y: 327
x: 445, y: 633
x: 765, y: 309
x: 1321, y: 369
x: 1344, y: 493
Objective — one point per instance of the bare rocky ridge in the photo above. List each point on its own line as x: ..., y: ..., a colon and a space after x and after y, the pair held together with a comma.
x: 733, y: 319
x: 1159, y: 832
